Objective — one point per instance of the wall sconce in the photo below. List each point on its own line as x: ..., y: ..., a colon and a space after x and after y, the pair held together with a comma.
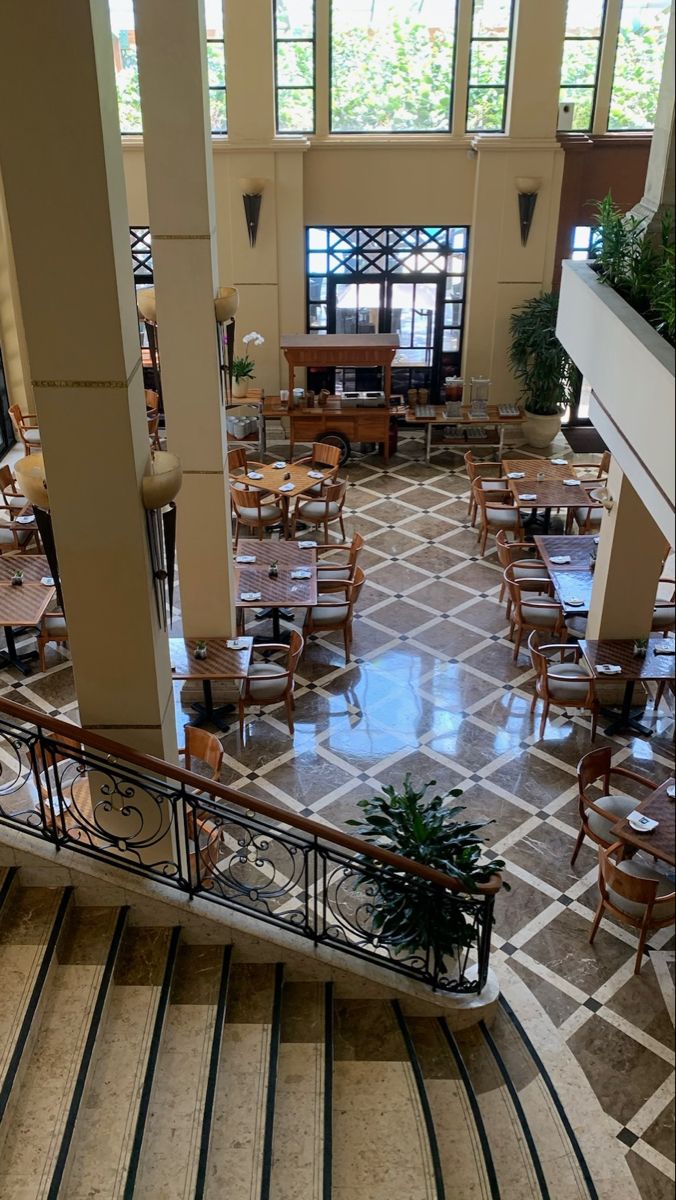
x: 528, y: 189
x: 252, y: 192
x: 226, y: 303
x: 603, y: 496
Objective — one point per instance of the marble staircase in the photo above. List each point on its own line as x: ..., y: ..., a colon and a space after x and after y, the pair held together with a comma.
x: 134, y: 1064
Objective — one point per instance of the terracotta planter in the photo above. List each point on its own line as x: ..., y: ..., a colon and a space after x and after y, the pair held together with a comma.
x: 240, y: 388
x: 541, y: 430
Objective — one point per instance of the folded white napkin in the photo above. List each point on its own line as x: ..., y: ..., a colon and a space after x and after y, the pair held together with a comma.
x: 640, y: 823
x: 608, y: 669
x: 245, y: 558
x: 287, y: 487
x: 559, y: 559
x: 302, y: 573
x: 559, y: 462
x: 306, y: 545
x: 47, y: 580
x: 254, y: 475
x: 572, y: 482
x: 315, y: 474
x: 250, y: 595
x: 528, y: 496
x: 236, y: 643
x: 278, y: 465
x: 516, y: 474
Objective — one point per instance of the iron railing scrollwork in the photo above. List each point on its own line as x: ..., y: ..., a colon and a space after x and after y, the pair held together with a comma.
x: 77, y: 790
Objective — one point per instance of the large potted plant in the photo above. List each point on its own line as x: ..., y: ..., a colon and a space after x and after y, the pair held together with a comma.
x: 548, y: 377
x: 407, y: 914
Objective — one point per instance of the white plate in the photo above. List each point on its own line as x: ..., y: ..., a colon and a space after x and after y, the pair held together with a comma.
x: 250, y: 595
x: 608, y: 669
x: 301, y: 574
x: 528, y: 496
x: 245, y: 558
x: 559, y: 462
x: 559, y: 559
x: 47, y: 581
x: 27, y: 520
x: 254, y: 475
x: 306, y: 545
x: 287, y: 487
x: 236, y: 644
x: 641, y: 824
x: 278, y: 466
x: 574, y: 603
x: 315, y: 475
x: 516, y: 474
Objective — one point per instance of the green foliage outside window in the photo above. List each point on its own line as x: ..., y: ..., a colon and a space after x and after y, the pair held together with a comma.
x: 638, y: 73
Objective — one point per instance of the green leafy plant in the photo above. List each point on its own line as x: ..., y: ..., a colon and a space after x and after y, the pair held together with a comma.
x: 548, y: 377
x: 410, y: 914
x: 243, y: 367
x: 638, y: 265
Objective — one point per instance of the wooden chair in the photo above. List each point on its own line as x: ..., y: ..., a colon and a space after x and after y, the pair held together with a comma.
x: 254, y: 510
x: 520, y: 555
x: 636, y: 895
x: 329, y: 615
x: 203, y: 747
x: 593, y: 470
x: 269, y: 682
x: 588, y: 520
x: 324, y: 510
x: 475, y: 472
x: 331, y: 575
x: 664, y: 612
x: 324, y: 457
x: 533, y: 608
x: 567, y: 683
x: 11, y: 496
x: 26, y: 428
x: 598, y: 813
x: 52, y: 629
x: 153, y: 416
x: 496, y: 511
x: 237, y: 460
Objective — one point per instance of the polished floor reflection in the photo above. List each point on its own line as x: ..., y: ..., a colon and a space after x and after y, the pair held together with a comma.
x: 433, y: 690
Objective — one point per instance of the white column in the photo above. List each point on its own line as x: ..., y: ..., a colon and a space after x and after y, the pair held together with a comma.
x: 64, y: 189
x: 177, y: 142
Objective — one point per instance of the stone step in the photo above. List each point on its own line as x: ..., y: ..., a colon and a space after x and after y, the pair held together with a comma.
x: 380, y: 1144
x: 108, y: 1118
x: 298, y: 1148
x: 242, y: 1122
x: 31, y: 920
x: 40, y: 1126
x: 172, y: 1136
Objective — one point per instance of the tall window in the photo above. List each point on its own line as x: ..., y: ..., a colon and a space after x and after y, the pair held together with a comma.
x: 582, y: 242
x: 295, y: 65
x: 392, y: 65
x: 408, y: 280
x: 638, y: 64
x: 581, y: 54
x: 126, y: 65
x: 490, y: 49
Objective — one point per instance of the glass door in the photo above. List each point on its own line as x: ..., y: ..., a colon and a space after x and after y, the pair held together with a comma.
x: 413, y: 310
x: 356, y: 306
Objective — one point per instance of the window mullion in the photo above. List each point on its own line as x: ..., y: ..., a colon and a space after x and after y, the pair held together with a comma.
x: 322, y: 81
x: 611, y: 33
x: 461, y: 79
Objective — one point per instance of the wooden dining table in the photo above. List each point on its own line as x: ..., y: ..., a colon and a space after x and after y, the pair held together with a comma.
x: 281, y: 593
x: 274, y: 481
x: 633, y: 667
x: 20, y: 606
x: 224, y: 661
x: 659, y: 806
x: 578, y: 548
x: 549, y: 493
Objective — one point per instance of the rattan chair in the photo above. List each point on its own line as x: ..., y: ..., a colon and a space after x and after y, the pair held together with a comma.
x: 635, y: 895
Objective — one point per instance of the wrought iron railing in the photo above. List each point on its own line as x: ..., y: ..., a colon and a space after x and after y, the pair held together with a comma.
x: 75, y: 789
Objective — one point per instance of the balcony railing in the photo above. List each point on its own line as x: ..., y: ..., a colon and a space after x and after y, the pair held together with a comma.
x: 75, y: 789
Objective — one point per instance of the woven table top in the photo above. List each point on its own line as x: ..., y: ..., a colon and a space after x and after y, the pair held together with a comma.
x: 220, y: 663
x: 550, y: 493
x: 577, y: 546
x: 34, y: 566
x: 279, y: 592
x: 25, y: 605
x: 621, y: 653
x: 660, y: 843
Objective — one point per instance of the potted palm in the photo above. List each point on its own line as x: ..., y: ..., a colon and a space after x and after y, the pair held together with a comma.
x: 407, y: 914
x: 548, y: 377
x: 243, y: 365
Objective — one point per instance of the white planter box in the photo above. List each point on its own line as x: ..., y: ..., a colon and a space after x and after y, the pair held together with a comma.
x: 631, y: 372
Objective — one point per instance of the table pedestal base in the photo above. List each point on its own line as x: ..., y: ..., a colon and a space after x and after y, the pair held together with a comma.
x: 11, y: 657
x: 206, y: 714
x: 622, y: 723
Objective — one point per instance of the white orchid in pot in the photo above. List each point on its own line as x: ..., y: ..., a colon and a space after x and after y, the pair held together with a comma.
x: 243, y: 367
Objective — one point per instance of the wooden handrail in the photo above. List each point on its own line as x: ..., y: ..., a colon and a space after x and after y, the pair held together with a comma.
x: 157, y: 766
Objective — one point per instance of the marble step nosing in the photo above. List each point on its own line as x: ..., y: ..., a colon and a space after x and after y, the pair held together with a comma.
x: 30, y: 1022
x: 64, y: 1158
x: 273, y: 1064
x: 212, y: 1077
x: 555, y: 1098
x: 423, y: 1099
x: 151, y: 1066
x: 519, y: 1110
x: 474, y: 1107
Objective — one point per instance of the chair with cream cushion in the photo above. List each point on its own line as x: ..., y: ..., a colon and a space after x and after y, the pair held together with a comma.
x: 561, y: 679
x: 271, y: 682
x: 533, y: 607
x: 599, y: 812
x: 664, y: 612
x: 324, y: 457
x: 331, y: 572
x: 254, y: 510
x: 523, y: 556
x: 335, y: 614
x: 11, y: 496
x: 52, y: 629
x: 476, y: 472
x: 636, y: 895
x: 497, y: 511
x: 324, y: 510
x: 588, y: 520
x: 26, y: 428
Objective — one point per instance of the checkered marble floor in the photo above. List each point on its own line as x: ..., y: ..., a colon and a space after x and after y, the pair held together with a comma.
x: 432, y: 689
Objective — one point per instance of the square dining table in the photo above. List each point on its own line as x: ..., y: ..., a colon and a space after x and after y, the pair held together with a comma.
x: 548, y: 494
x: 573, y: 590
x: 273, y: 481
x: 223, y: 661
x: 659, y: 806
x: 19, y: 606
x: 633, y: 667
x: 578, y: 548
x: 278, y: 592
